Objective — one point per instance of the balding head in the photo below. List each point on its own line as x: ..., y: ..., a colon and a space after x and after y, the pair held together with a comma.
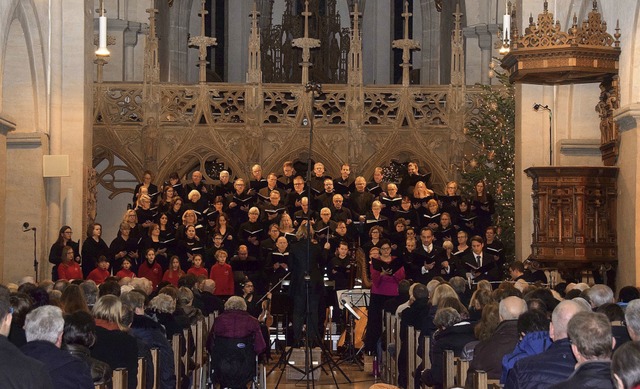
x: 511, y: 308
x: 561, y: 316
x: 208, y: 285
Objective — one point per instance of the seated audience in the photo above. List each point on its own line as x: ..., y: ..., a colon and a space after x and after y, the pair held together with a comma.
x: 43, y: 328
x: 557, y: 362
x: 78, y: 338
x: 591, y: 344
x: 113, y: 344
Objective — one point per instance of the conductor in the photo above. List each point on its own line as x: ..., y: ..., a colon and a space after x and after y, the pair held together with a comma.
x: 305, y: 261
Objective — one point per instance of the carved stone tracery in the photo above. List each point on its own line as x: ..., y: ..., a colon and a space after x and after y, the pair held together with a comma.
x: 256, y: 122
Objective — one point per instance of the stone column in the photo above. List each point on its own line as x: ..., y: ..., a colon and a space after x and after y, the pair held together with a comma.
x: 6, y: 125
x: 237, y: 34
x: 377, y: 44
x: 130, y: 39
x: 628, y: 119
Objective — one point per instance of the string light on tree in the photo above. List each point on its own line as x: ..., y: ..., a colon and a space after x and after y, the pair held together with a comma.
x: 494, y: 133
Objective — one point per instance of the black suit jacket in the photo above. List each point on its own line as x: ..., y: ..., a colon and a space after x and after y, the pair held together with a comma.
x: 489, y: 262
x: 435, y: 255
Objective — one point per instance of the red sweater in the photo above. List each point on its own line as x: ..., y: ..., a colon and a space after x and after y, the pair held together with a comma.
x: 198, y: 271
x: 71, y: 271
x: 173, y: 276
x: 151, y: 272
x: 223, y: 276
x: 98, y: 275
x: 125, y: 273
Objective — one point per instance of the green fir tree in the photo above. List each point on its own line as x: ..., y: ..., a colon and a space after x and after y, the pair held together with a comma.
x: 493, y: 130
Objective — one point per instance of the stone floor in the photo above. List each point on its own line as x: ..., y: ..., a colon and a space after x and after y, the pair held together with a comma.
x: 352, y: 371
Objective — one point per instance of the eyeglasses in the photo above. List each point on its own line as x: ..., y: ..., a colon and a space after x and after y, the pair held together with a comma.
x: 68, y: 232
x: 385, y: 248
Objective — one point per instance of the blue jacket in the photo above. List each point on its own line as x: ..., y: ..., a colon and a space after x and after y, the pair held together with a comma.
x: 589, y: 375
x: 543, y: 370
x: 533, y: 343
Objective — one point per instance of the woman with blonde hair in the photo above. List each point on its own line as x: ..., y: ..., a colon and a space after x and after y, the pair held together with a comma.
x: 113, y: 345
x: 421, y: 195
x: 442, y: 291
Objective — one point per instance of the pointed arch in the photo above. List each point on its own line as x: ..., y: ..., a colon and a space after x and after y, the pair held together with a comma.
x: 22, y: 31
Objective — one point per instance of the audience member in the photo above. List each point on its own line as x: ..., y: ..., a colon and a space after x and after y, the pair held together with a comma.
x: 43, y: 328
x: 78, y: 338
x: 488, y: 353
x: 17, y: 371
x: 591, y: 344
x: 557, y: 362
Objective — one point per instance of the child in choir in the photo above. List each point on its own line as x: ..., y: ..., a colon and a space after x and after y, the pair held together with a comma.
x: 100, y: 273
x: 197, y: 269
x: 174, y: 272
x: 222, y: 274
x: 340, y: 267
x: 69, y: 269
x: 126, y: 269
x: 150, y: 269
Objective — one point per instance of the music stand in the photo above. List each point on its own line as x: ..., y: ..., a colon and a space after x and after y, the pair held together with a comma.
x: 352, y: 300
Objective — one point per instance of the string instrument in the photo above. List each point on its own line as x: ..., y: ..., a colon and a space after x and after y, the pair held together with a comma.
x: 361, y: 260
x: 265, y: 316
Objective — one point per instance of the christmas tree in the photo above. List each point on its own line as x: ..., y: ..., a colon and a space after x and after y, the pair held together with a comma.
x: 493, y: 130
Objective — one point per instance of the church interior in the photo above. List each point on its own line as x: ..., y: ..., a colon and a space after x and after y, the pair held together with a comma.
x: 207, y: 85
x: 95, y: 94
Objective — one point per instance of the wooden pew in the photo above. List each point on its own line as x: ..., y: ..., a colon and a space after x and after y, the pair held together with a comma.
x: 155, y: 359
x: 177, y: 360
x: 120, y: 378
x: 449, y: 370
x: 412, y: 351
x: 398, y: 340
x: 142, y: 373
x: 462, y: 367
x: 386, y: 360
x: 480, y: 381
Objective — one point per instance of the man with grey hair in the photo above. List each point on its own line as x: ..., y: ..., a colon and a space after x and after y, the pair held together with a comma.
x: 592, y: 344
x: 43, y: 328
x: 632, y: 319
x: 210, y: 302
x: 557, y: 362
x: 489, y: 352
x: 17, y: 371
x: 90, y: 290
x: 599, y: 295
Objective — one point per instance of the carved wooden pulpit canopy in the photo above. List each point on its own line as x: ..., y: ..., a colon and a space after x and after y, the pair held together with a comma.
x: 585, y: 53
x: 574, y: 215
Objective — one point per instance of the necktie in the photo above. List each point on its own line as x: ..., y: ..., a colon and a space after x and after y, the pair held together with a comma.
x: 478, y: 260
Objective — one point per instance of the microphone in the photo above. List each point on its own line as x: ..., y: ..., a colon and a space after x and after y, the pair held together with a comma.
x: 537, y: 106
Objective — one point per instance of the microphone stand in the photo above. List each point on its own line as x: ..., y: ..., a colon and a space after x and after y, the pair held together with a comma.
x: 35, y: 253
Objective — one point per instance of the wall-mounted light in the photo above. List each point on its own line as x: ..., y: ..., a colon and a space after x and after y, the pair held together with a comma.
x: 102, y: 37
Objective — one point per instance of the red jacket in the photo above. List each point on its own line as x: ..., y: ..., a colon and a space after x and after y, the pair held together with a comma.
x: 151, y: 272
x: 125, y: 273
x: 71, y: 271
x: 173, y: 276
x: 98, y: 275
x: 198, y: 271
x: 223, y: 276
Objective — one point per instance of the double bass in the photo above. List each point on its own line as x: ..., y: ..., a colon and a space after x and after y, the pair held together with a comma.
x: 360, y: 325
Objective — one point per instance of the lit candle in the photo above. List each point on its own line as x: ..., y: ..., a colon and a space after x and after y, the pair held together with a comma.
x: 102, y: 31
x: 506, y: 24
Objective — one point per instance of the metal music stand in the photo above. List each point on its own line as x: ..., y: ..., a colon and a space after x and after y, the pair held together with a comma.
x: 352, y: 300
